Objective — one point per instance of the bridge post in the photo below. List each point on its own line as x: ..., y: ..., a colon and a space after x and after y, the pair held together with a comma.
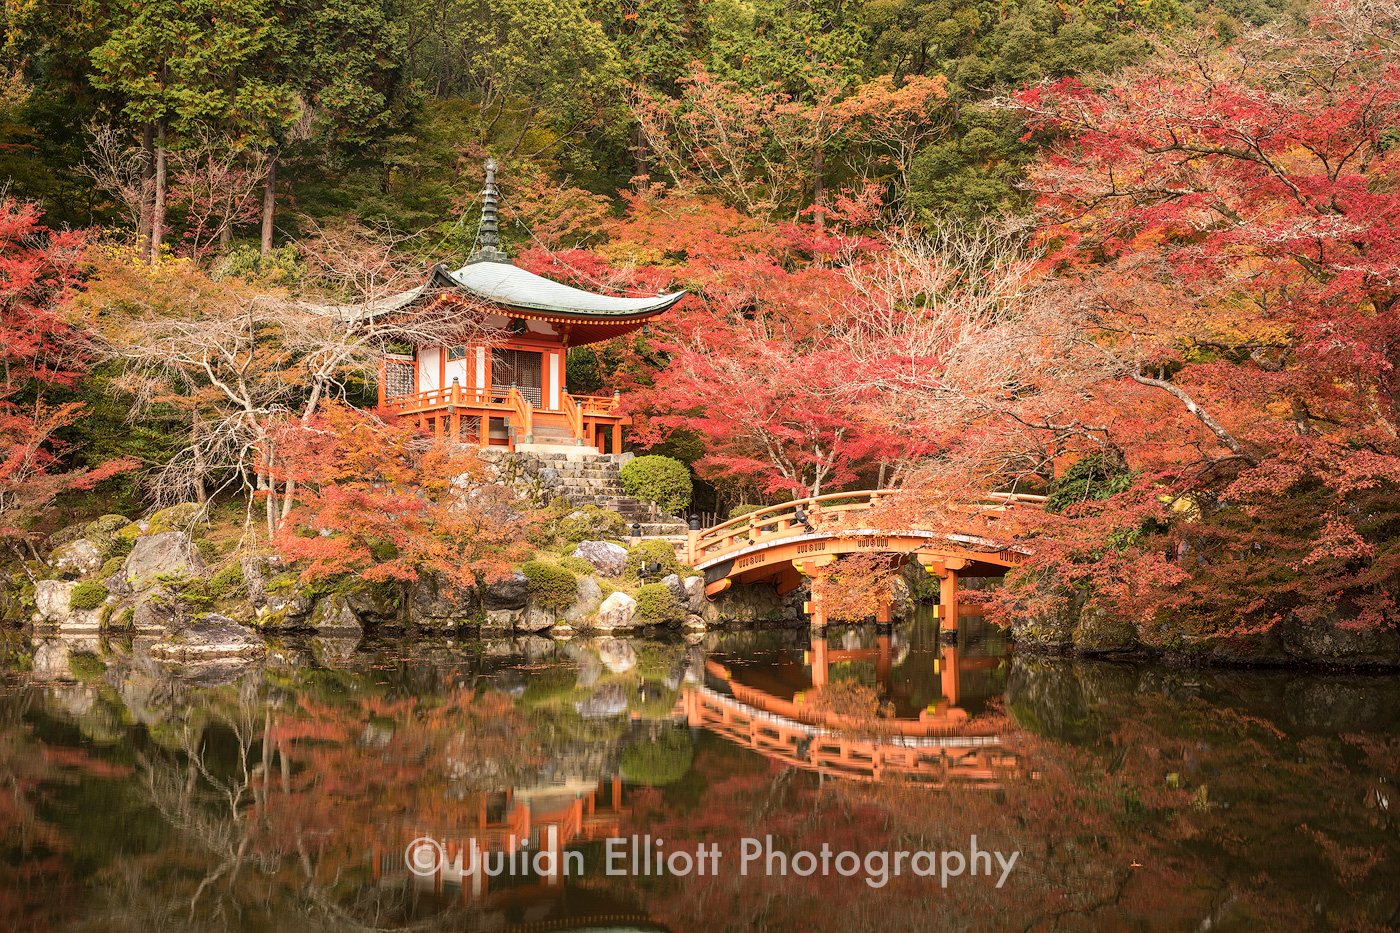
x: 948, y: 600
x: 882, y: 608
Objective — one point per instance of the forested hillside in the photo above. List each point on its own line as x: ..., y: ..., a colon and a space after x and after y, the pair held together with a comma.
x: 1140, y: 256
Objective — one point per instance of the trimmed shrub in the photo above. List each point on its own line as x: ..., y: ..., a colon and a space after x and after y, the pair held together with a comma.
x: 652, y: 552
x: 590, y: 523
x: 741, y: 510
x: 658, y: 479
x: 657, y: 606
x: 87, y: 596
x: 549, y: 585
x: 664, y: 761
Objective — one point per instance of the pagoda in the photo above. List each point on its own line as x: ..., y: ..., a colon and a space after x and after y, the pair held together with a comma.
x: 505, y: 385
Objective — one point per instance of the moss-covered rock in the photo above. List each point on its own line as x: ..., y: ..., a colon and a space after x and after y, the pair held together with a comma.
x: 549, y: 585
x: 87, y: 596
x: 103, y: 531
x: 182, y: 517
x: 589, y: 523
x: 657, y: 605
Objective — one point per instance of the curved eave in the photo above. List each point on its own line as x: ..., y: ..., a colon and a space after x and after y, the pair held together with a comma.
x: 509, y: 286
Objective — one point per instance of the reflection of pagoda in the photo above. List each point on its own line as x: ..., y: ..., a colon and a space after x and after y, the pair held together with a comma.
x: 544, y: 818
x: 766, y: 708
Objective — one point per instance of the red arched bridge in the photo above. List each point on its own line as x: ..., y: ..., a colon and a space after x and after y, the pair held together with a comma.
x: 782, y: 544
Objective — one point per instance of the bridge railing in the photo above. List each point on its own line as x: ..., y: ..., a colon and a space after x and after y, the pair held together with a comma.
x: 816, y: 514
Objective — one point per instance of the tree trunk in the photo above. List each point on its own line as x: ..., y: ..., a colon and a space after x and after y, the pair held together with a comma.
x: 148, y: 182
x: 269, y: 197
x: 818, y: 189
x: 196, y: 429
x: 158, y: 202
x: 641, y: 160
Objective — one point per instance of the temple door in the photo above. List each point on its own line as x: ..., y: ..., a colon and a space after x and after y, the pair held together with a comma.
x: 519, y: 368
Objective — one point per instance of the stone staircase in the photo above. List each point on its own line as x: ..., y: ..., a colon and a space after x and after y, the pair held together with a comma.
x: 588, y: 478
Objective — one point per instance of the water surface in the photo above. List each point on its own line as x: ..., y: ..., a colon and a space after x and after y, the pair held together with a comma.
x: 288, y: 794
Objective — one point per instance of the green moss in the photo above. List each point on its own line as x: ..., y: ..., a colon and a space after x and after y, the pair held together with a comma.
x: 658, y: 763
x: 659, y: 479
x: 652, y: 552
x: 577, y: 566
x: 589, y: 523
x: 113, y: 565
x: 656, y: 605
x: 180, y: 517
x: 129, y: 534
x: 549, y: 585
x: 208, y: 550
x: 87, y: 596
x: 104, y: 528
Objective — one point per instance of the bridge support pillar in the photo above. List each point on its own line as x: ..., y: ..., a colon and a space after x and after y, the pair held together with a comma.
x: 882, y: 608
x: 948, y: 600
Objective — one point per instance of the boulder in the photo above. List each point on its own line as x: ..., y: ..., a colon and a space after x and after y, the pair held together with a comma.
x: 673, y: 583
x: 617, y: 612
x: 51, y: 605
x: 432, y: 604
x: 257, y: 573
x: 694, y: 622
x: 607, y: 558
x: 334, y: 614
x: 616, y: 654
x: 694, y: 594
x: 510, y: 593
x: 371, y: 603
x: 607, y: 700
x: 155, y: 610
x: 502, y: 619
x: 81, y: 557
x: 548, y: 477
x: 180, y: 517
x: 213, y: 638
x: 167, y: 553
x: 1100, y: 633
x: 291, y: 604
x: 103, y: 531
x: 535, y: 619
x: 586, y: 603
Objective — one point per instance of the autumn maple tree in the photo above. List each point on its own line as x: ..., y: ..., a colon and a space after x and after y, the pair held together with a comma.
x: 43, y: 356
x: 1227, y: 220
x: 379, y: 504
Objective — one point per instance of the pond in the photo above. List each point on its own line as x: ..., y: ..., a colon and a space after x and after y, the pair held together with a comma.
x: 877, y: 778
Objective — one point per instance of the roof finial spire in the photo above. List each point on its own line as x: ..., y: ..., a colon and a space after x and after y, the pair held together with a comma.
x: 488, y: 234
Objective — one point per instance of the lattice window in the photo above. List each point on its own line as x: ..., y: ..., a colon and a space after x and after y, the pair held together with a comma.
x: 398, y: 378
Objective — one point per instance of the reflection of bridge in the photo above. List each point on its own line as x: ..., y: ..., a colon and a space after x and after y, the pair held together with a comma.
x: 783, y: 543
x: 936, y: 746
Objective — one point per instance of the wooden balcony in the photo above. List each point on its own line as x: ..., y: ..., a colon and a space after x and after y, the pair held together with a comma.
x: 505, y: 417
